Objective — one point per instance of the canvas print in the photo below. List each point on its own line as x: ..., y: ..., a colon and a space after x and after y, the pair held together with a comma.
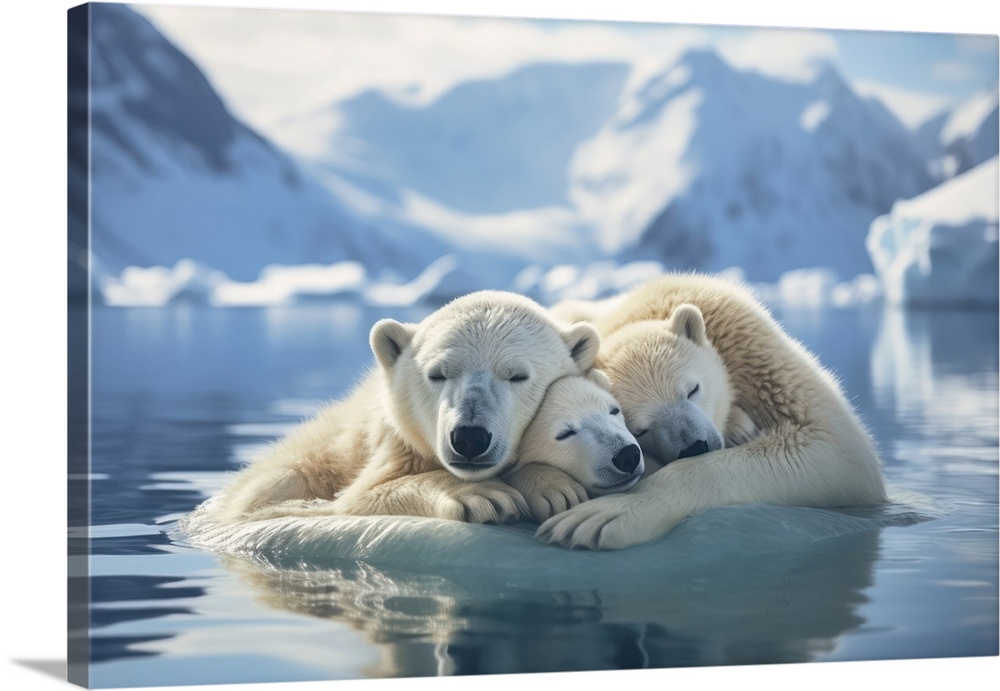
x: 411, y: 345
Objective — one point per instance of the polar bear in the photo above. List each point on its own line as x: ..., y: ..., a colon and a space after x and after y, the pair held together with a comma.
x: 736, y: 410
x: 428, y: 431
x: 576, y: 447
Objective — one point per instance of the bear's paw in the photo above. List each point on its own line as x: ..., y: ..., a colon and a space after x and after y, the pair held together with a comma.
x: 489, y: 501
x: 602, y: 523
x: 547, y: 490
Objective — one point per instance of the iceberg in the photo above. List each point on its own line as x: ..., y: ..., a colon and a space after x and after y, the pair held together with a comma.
x: 498, y: 555
x: 156, y: 286
x: 940, y: 248
x: 280, y: 285
x: 192, y: 281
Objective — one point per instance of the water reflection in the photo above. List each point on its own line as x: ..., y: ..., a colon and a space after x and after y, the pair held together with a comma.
x: 937, y: 372
x: 106, y: 595
x: 785, y: 606
x: 929, y: 360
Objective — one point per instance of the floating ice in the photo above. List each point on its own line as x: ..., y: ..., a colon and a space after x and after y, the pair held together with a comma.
x: 280, y: 285
x: 498, y: 554
x: 940, y: 248
x: 158, y: 285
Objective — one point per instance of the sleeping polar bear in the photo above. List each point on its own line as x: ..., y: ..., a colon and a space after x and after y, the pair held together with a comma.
x: 736, y: 410
x: 576, y: 447
x: 430, y: 429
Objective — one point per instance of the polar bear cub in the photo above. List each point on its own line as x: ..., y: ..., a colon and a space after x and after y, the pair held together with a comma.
x: 428, y: 431
x: 679, y: 398
x: 735, y: 410
x: 577, y: 447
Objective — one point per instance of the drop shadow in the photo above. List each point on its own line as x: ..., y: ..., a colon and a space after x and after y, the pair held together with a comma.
x: 50, y: 668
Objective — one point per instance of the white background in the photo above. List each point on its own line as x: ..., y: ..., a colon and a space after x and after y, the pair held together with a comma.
x: 33, y: 360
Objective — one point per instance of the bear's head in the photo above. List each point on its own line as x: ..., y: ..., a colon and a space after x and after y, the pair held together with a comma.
x: 579, y: 429
x: 464, y: 383
x: 673, y: 386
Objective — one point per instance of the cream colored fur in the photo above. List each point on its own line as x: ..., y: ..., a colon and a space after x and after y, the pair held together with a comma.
x: 485, y: 359
x: 567, y: 453
x: 791, y: 436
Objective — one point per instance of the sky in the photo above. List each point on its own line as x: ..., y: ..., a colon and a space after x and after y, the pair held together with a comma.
x: 274, y: 66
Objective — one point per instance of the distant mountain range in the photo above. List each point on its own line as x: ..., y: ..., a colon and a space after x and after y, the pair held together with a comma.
x: 697, y: 166
x: 486, y: 147
x: 960, y: 139
x: 772, y: 174
x: 175, y: 175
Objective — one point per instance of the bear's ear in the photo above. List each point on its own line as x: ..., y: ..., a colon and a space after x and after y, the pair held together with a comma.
x: 583, y: 342
x: 389, y: 339
x: 688, y: 321
x: 596, y: 376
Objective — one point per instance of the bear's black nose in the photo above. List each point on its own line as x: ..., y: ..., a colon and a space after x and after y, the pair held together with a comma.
x: 696, y: 449
x: 627, y: 460
x: 469, y: 442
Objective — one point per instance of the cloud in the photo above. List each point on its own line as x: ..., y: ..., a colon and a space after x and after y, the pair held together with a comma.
x: 280, y: 69
x: 978, y: 45
x: 952, y: 71
x: 913, y: 108
x: 784, y: 53
x: 273, y: 64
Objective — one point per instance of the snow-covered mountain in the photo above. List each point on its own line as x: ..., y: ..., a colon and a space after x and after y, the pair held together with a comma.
x: 175, y: 176
x: 961, y: 138
x: 486, y: 146
x: 557, y: 179
x: 707, y: 167
x: 699, y: 166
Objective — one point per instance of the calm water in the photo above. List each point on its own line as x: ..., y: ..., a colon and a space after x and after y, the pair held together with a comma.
x: 184, y: 395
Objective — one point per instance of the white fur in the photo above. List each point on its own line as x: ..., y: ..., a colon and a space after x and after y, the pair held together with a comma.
x: 675, y: 389
x: 571, y: 311
x: 484, y: 360
x: 791, y: 436
x: 568, y: 451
